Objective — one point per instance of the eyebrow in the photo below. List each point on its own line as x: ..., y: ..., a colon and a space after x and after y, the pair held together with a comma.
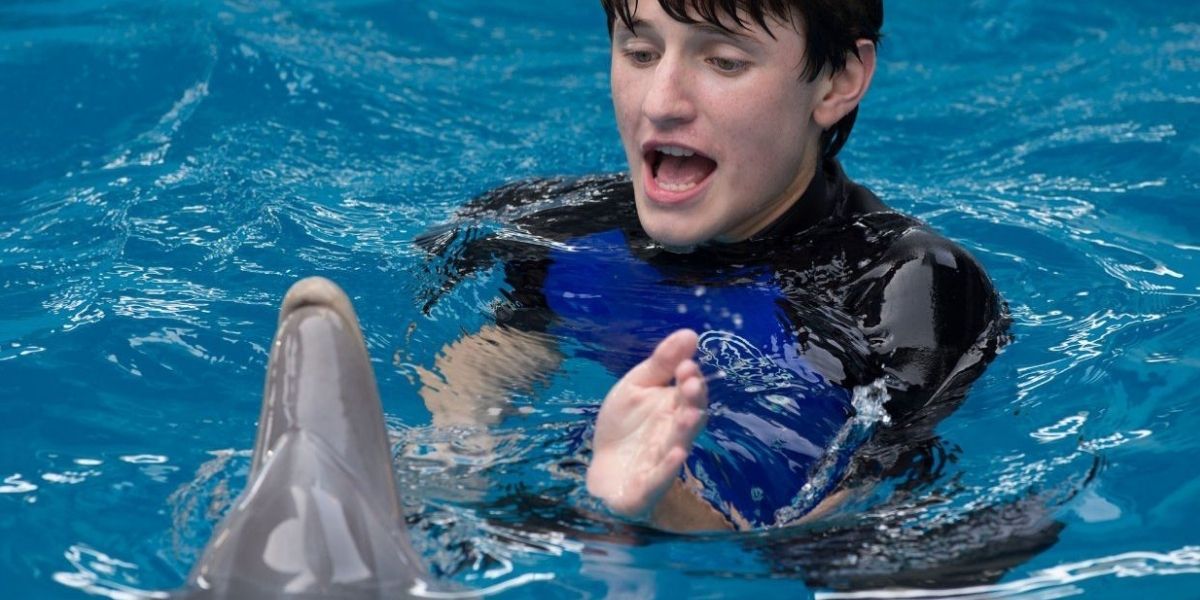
x: 631, y: 27
x: 711, y: 29
x: 703, y: 26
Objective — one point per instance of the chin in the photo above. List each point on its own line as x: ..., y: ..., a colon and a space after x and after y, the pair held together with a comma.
x: 671, y: 238
x: 676, y: 230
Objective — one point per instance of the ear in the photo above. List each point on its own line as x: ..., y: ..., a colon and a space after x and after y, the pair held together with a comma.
x: 846, y: 88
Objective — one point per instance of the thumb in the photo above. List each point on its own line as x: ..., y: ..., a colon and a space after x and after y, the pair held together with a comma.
x: 659, y: 369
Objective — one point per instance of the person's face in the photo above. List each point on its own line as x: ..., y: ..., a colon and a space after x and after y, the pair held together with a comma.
x: 718, y: 128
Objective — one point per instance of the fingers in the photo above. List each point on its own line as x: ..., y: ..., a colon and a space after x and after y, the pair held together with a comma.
x: 692, y: 412
x: 691, y: 401
x: 692, y: 385
x: 659, y: 369
x: 686, y: 369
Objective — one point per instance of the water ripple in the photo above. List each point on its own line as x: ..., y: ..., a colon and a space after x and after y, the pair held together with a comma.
x: 170, y: 169
x: 100, y: 574
x: 1054, y: 582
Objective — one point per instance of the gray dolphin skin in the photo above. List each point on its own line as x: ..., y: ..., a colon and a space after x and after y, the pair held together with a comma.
x: 321, y: 514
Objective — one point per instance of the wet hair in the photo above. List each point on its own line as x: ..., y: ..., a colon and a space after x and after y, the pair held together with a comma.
x: 831, y: 30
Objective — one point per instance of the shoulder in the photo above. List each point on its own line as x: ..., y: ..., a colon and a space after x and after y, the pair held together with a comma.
x: 510, y: 225
x: 555, y: 205
x: 917, y: 247
x: 550, y: 207
x: 921, y: 273
x: 900, y: 242
x: 925, y: 305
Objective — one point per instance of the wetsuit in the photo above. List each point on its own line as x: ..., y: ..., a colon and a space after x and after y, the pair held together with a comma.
x: 838, y: 292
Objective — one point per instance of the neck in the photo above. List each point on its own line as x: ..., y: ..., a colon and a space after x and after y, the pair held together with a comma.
x: 808, y: 203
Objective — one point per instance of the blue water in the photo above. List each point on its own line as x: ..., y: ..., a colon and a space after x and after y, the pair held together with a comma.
x: 168, y: 169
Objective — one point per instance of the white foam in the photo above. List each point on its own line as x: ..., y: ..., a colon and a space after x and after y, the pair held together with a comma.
x: 868, y: 402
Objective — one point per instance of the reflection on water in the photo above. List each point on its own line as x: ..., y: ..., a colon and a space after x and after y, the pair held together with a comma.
x: 1056, y: 582
x: 99, y: 574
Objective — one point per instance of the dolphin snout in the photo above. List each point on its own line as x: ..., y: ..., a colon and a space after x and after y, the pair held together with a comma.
x: 317, y: 291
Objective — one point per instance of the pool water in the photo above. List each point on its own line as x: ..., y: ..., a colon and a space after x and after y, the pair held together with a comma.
x: 169, y: 169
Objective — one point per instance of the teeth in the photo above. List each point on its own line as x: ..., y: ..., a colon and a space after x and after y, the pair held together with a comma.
x: 676, y: 187
x: 675, y: 151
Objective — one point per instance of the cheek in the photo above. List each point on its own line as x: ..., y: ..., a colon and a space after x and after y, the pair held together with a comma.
x: 625, y: 102
x: 768, y: 133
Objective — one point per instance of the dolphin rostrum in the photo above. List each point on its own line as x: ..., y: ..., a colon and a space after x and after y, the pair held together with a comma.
x: 320, y: 515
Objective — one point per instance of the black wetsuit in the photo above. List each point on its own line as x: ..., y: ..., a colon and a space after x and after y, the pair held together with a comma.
x: 866, y: 292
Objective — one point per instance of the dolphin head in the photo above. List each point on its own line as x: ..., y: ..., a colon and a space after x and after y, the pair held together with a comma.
x: 321, y: 514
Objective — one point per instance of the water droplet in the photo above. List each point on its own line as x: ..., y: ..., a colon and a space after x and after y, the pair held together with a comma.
x: 778, y: 400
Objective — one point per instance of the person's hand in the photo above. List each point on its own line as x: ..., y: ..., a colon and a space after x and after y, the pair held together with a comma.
x: 646, y: 427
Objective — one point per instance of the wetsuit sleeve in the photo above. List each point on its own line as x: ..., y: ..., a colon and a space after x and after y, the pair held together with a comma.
x: 472, y: 240
x: 513, y: 226
x: 932, y: 320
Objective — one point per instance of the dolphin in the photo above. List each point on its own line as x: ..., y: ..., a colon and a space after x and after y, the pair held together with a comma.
x: 321, y: 514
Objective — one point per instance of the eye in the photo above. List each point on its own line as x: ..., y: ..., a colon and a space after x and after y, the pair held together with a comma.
x: 640, y: 57
x: 728, y: 65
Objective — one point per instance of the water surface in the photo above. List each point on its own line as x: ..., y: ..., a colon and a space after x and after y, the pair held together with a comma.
x: 168, y: 169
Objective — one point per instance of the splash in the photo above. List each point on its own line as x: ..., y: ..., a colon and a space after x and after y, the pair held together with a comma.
x: 869, y: 412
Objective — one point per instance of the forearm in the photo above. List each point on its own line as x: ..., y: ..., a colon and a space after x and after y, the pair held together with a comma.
x: 473, y: 377
x: 681, y: 509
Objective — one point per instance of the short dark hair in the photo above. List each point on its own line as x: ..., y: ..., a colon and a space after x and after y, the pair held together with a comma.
x: 832, y: 29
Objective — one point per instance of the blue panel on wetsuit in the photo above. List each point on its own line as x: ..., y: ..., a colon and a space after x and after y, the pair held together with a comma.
x: 771, y: 417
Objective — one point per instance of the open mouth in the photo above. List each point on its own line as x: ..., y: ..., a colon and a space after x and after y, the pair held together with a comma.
x: 678, y: 169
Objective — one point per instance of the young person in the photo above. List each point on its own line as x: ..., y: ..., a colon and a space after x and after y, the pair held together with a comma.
x: 736, y: 235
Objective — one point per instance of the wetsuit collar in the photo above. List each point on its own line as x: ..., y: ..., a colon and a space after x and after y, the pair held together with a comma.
x: 818, y: 202
x: 824, y: 197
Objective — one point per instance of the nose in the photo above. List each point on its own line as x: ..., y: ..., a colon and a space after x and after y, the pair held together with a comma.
x: 669, y: 100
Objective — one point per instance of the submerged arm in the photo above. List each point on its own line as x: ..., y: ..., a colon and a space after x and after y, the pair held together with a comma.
x: 474, y: 376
